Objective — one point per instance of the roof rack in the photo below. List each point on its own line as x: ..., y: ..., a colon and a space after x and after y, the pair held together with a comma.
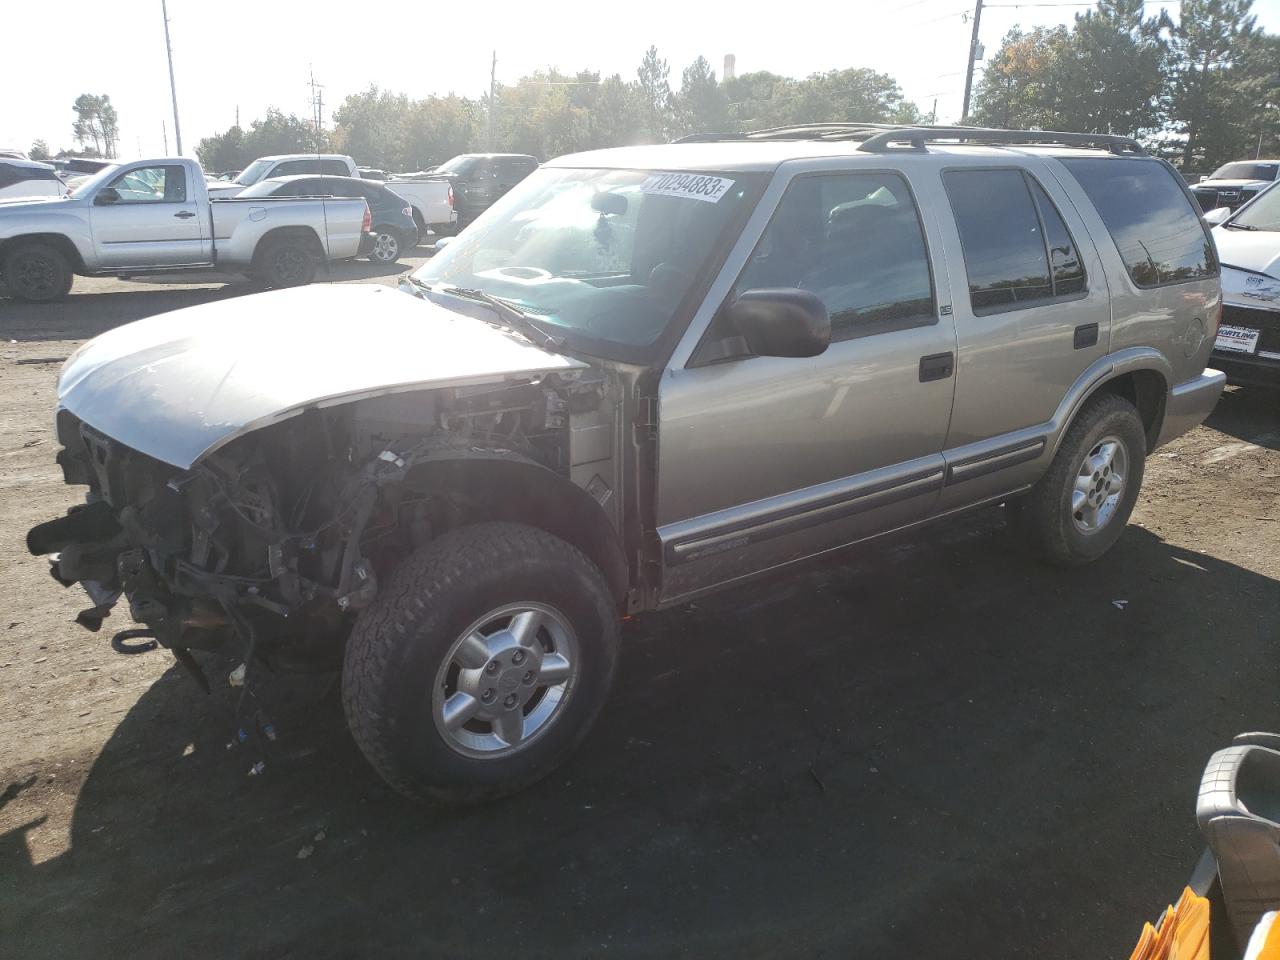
x: 883, y: 137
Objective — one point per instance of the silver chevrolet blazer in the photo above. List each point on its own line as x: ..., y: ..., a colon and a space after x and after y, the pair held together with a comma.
x: 644, y: 374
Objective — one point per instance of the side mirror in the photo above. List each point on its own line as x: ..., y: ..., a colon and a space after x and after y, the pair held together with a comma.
x: 1217, y: 214
x: 782, y: 322
x: 1202, y: 178
x: 441, y: 244
x: 105, y: 196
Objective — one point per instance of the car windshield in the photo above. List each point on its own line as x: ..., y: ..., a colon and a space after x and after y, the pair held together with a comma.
x: 253, y: 172
x: 605, y: 256
x: 1246, y: 171
x: 1262, y: 214
x: 462, y: 165
x: 88, y: 186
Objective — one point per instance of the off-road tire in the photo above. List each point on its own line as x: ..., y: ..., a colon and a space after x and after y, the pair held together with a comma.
x: 400, y: 641
x: 23, y: 264
x: 285, y: 262
x: 1043, y: 517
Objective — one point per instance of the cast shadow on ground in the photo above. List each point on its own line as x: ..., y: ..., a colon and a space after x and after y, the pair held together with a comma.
x: 930, y: 748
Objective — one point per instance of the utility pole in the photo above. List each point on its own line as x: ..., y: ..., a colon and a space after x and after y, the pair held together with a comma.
x: 317, y: 104
x: 493, y: 76
x: 973, y: 55
x: 164, y: 132
x: 173, y: 88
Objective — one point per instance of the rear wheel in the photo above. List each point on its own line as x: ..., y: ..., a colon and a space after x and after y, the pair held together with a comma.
x: 285, y: 262
x: 387, y: 245
x: 482, y: 664
x: 1079, y: 508
x: 37, y: 273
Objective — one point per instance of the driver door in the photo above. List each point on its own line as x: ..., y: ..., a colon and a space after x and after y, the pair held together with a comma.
x: 763, y: 461
x: 155, y: 221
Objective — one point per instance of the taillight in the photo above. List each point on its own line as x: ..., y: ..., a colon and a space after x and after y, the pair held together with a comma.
x: 451, y: 194
x: 367, y: 224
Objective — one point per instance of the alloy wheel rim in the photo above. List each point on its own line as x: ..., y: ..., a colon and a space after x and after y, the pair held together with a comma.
x: 1099, y: 485
x: 386, y: 247
x: 505, y: 681
x: 289, y: 265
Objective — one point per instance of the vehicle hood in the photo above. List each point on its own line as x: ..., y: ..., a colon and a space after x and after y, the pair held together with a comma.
x: 179, y: 385
x: 1232, y: 184
x: 1256, y: 250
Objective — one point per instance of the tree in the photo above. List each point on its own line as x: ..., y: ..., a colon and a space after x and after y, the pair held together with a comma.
x: 852, y: 95
x: 702, y: 106
x: 275, y: 133
x: 40, y: 151
x: 372, y: 126
x: 96, y: 123
x: 757, y: 99
x: 1020, y: 87
x: 1211, y: 46
x: 655, y: 96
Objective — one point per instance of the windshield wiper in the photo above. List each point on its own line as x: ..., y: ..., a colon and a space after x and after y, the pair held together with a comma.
x: 516, y: 318
x: 1239, y: 226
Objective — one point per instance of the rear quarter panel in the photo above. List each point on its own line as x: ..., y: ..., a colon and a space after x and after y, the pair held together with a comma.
x: 240, y: 225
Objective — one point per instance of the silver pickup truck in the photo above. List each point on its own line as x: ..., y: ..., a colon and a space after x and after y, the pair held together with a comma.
x: 642, y: 375
x: 154, y: 216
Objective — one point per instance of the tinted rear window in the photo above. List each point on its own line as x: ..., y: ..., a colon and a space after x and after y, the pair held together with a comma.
x: 11, y: 173
x: 1246, y: 171
x: 1150, y: 217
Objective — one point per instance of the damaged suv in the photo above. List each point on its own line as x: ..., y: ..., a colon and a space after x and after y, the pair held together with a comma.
x: 644, y: 374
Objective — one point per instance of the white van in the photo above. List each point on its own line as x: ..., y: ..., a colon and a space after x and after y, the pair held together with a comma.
x: 27, y: 178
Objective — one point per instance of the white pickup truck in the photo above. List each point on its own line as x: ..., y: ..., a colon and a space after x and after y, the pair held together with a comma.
x: 432, y: 202
x: 154, y: 216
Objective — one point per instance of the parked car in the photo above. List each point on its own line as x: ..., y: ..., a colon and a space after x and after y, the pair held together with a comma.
x: 372, y: 173
x: 270, y: 168
x: 27, y: 178
x: 394, y: 230
x: 432, y: 201
x: 154, y: 216
x: 646, y: 374
x: 1234, y: 184
x: 13, y: 153
x: 479, y: 179
x: 1247, y: 346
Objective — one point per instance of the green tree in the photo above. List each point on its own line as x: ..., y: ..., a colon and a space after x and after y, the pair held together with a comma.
x: 655, y: 96
x: 1020, y: 87
x: 855, y: 94
x: 372, y: 126
x: 1212, y: 44
x: 701, y: 105
x: 96, y: 126
x: 758, y: 99
x: 40, y: 151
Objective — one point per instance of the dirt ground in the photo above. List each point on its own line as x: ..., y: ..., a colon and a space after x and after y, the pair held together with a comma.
x: 928, y: 748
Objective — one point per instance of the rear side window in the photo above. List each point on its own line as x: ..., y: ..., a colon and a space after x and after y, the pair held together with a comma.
x: 1155, y: 227
x: 334, y: 168
x: 1017, y: 251
x: 11, y: 173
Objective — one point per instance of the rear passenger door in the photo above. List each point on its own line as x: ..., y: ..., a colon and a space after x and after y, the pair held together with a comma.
x: 1032, y: 313
x: 766, y: 460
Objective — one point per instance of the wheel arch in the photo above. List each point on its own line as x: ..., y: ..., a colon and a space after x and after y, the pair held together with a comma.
x: 1140, y: 375
x: 58, y: 241
x: 305, y: 234
x: 505, y: 486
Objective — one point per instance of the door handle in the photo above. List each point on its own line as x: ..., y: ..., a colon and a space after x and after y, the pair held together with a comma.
x: 937, y: 366
x: 1086, y: 335
x: 184, y: 214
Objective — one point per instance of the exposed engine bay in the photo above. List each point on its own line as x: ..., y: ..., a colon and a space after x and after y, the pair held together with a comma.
x: 276, y: 539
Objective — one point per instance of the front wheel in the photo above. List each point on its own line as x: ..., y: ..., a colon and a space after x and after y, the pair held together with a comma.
x: 482, y: 664
x: 37, y: 273
x: 1079, y: 508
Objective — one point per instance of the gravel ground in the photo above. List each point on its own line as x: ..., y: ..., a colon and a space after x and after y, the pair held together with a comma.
x: 930, y: 747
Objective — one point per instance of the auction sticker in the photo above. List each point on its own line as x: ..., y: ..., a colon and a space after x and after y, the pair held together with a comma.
x: 694, y: 186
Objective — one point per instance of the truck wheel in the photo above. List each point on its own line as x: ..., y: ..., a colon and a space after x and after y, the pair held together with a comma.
x: 37, y: 273
x: 286, y: 262
x: 1080, y: 507
x: 482, y: 663
x: 387, y: 245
